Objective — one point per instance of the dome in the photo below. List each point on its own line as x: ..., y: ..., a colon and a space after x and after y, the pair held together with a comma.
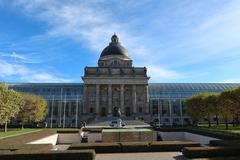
x: 114, y: 48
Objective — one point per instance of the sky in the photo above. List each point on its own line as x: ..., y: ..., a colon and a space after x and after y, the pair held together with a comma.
x: 179, y: 41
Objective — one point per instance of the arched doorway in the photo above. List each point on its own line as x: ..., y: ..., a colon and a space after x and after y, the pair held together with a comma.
x: 128, y: 111
x: 103, y: 112
x: 115, y: 111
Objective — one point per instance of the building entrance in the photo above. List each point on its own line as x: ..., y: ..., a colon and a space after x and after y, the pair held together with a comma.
x: 103, y: 112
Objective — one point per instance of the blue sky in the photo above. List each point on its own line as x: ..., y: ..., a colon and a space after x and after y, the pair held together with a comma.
x: 177, y: 40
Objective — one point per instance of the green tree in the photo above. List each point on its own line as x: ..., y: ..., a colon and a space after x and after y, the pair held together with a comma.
x: 235, y: 97
x: 195, y: 107
x: 10, y: 104
x: 34, y: 109
x: 210, y: 106
x: 226, y: 106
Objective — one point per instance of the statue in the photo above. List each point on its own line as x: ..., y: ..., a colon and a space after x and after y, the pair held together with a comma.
x: 119, y: 113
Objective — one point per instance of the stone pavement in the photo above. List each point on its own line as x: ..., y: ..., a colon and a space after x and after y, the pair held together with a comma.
x: 142, y: 156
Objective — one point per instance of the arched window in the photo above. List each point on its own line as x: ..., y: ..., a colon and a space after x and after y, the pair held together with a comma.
x: 115, y: 63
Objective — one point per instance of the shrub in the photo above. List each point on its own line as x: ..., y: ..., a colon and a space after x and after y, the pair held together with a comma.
x: 92, y: 130
x: 68, y: 131
x: 98, y: 147
x: 134, y: 146
x: 203, y: 152
x: 230, y: 143
x: 5, y: 152
x: 158, y: 146
x: 50, y: 155
x: 39, y: 147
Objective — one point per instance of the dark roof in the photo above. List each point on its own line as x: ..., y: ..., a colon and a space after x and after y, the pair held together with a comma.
x: 114, y: 48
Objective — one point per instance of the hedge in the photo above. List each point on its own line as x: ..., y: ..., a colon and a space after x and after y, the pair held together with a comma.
x: 204, y: 152
x: 26, y: 138
x: 68, y: 131
x: 92, y: 130
x: 5, y: 151
x: 230, y: 143
x: 39, y: 147
x: 98, y: 147
x: 159, y: 146
x: 134, y: 146
x: 50, y: 155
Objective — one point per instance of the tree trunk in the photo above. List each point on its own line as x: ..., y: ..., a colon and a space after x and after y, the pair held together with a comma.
x: 226, y: 122
x: 5, y: 127
x: 22, y: 126
x: 237, y: 119
x: 217, y: 121
x: 209, y: 123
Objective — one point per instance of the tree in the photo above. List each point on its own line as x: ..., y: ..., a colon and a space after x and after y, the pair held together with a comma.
x: 226, y: 106
x: 213, y: 100
x: 10, y: 104
x: 210, y: 106
x: 195, y: 107
x: 235, y: 97
x: 34, y: 109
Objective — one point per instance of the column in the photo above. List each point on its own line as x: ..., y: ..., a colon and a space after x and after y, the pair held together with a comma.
x: 134, y: 101
x: 151, y: 110
x: 122, y: 98
x: 147, y: 100
x: 52, y: 111
x: 181, y: 113
x: 109, y: 99
x: 159, y: 113
x: 85, y: 99
x: 61, y: 101
x: 97, y: 98
x: 76, y: 118
x: 170, y: 111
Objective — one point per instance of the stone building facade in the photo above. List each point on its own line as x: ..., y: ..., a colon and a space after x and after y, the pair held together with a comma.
x: 115, y: 84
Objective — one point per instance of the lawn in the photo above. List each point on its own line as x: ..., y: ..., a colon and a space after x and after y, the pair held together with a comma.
x: 16, y: 131
x: 221, y: 128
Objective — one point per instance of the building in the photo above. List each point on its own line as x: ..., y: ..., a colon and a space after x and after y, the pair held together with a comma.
x: 115, y: 84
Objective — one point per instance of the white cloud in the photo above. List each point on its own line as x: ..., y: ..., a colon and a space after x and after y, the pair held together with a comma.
x: 7, y: 69
x: 19, y: 58
x: 92, y: 26
x: 233, y: 80
x: 160, y: 74
x: 26, y: 74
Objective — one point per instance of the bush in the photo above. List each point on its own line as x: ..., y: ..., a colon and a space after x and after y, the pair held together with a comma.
x: 159, y: 146
x: 5, y: 152
x: 39, y: 147
x: 230, y: 143
x: 92, y: 130
x: 50, y: 155
x: 98, y: 147
x: 204, y: 152
x: 68, y: 131
x: 135, y: 146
